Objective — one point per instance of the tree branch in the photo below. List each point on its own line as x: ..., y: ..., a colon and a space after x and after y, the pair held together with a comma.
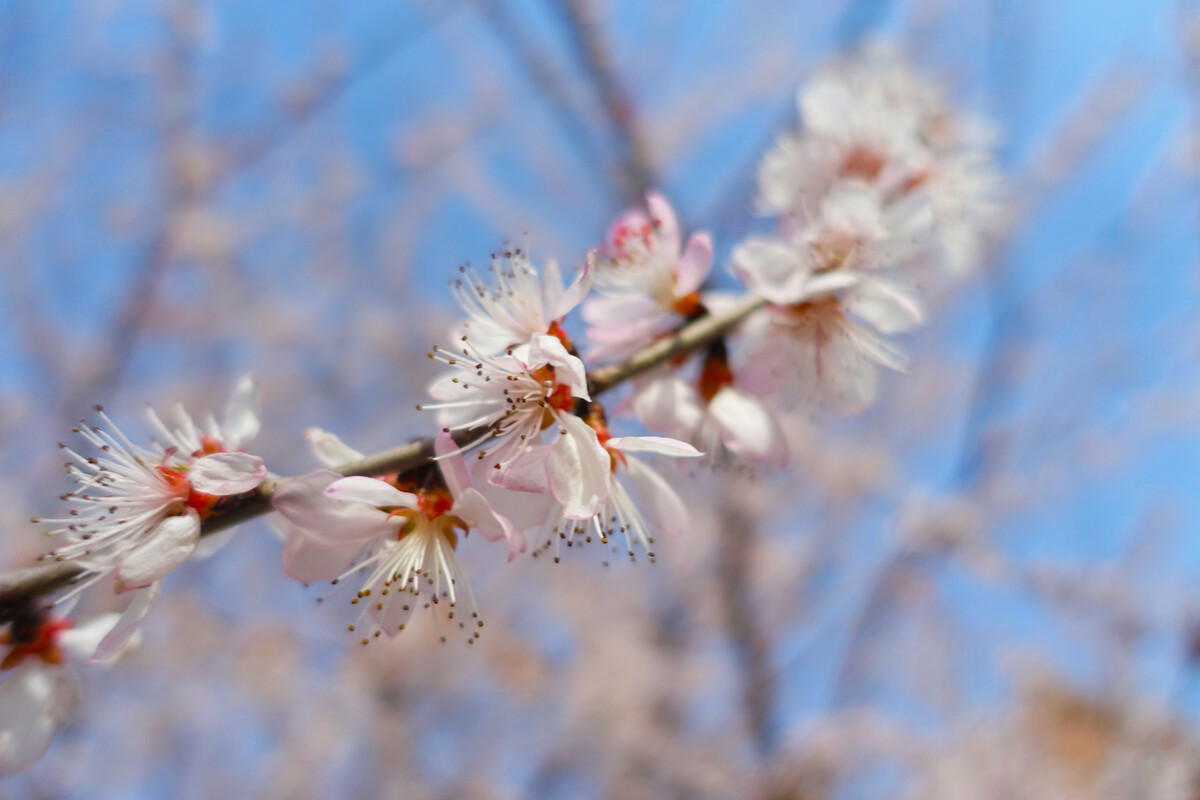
x: 20, y: 589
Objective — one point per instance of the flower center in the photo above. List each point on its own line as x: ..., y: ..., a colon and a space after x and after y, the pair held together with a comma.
x: 863, y: 162
x: 42, y: 642
x: 434, y: 502
x: 714, y: 376
x: 185, y: 496
x: 209, y: 445
x: 634, y: 240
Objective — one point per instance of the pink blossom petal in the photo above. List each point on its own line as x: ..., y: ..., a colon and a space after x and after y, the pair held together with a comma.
x: 523, y: 508
x: 329, y: 449
x: 623, y: 307
x: 694, y: 264
x: 302, y: 502
x: 227, y: 473
x: 663, y: 214
x: 579, y: 469
x: 654, y: 444
x: 311, y: 560
x: 371, y: 491
x: 169, y: 545
x: 526, y: 473
x: 661, y: 501
x: 477, y: 512
x: 113, y: 645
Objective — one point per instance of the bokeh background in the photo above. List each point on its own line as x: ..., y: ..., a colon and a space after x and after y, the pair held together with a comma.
x: 984, y: 586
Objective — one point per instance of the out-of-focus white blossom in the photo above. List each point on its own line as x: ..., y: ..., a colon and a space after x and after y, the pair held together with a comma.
x: 41, y: 692
x: 875, y: 121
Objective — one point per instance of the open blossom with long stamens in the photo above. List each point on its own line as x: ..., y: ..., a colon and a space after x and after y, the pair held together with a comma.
x: 534, y: 386
x: 647, y: 278
x: 516, y: 396
x: 138, y: 512
x: 619, y: 516
x: 401, y: 534
x: 519, y: 304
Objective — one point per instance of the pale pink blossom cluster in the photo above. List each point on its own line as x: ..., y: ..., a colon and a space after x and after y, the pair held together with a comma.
x: 882, y: 182
x: 884, y: 187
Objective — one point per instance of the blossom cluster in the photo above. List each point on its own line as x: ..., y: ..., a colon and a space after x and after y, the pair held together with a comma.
x: 882, y: 188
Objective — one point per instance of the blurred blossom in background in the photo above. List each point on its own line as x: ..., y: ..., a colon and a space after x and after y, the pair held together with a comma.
x: 981, y: 587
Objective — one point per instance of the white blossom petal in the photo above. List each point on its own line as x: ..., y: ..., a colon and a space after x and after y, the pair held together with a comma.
x: 747, y: 427
x: 654, y: 444
x: 128, y: 625
x: 169, y: 545
x: 663, y: 503
x: 694, y: 264
x: 243, y: 414
x: 329, y: 449
x: 474, y: 509
x: 371, y: 491
x: 454, y: 470
x: 579, y: 469
x: 34, y: 701
x: 568, y: 369
x: 227, y: 473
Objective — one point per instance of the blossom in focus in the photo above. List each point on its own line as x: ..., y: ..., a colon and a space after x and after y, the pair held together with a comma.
x: 538, y: 385
x: 41, y: 691
x: 648, y: 280
x: 137, y: 512
x: 519, y: 304
x: 617, y: 515
x: 400, y: 532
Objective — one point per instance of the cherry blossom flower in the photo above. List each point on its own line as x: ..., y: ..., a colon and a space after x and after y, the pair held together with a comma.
x: 138, y: 512
x: 520, y: 304
x: 824, y: 333
x: 853, y: 233
x: 826, y: 350
x: 618, y: 514
x: 873, y: 120
x: 516, y: 396
x: 535, y: 386
x: 400, y: 532
x: 648, y: 279
x: 42, y: 691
